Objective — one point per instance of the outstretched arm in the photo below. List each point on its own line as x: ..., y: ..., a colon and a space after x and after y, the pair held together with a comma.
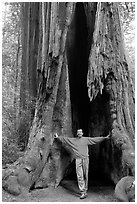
x: 64, y: 140
x: 95, y: 140
x: 56, y: 137
x: 66, y: 143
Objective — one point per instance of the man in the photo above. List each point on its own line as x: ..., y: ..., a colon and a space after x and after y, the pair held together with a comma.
x: 79, y: 147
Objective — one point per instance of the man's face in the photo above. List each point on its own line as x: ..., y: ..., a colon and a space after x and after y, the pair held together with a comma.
x: 79, y: 133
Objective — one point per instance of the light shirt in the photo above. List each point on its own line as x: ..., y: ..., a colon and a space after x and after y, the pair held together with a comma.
x: 79, y: 146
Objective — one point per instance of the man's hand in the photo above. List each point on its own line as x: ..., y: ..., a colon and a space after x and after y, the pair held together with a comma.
x: 56, y: 135
x: 108, y: 136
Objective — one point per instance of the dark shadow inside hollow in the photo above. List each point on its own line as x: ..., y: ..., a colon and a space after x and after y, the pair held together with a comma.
x: 101, y: 154
x: 77, y: 54
x: 93, y: 116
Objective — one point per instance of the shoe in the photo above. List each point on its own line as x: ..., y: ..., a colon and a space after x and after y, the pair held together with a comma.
x: 86, y: 194
x: 83, y: 195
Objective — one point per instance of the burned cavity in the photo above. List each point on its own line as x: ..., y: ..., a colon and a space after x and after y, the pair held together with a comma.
x: 77, y: 53
x: 90, y: 116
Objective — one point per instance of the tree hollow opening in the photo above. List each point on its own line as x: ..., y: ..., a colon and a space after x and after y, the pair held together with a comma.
x: 89, y: 116
x: 77, y: 54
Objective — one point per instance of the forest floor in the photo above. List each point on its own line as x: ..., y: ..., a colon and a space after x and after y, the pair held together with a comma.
x: 66, y: 192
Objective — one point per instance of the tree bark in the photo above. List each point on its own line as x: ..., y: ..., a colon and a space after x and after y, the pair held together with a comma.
x: 108, y: 73
x: 52, y: 111
x: 29, y: 84
x: 16, y: 103
x: 23, y: 86
x: 67, y: 78
x: 30, y: 39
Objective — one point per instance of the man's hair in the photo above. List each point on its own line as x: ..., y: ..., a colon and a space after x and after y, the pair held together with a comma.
x: 79, y: 130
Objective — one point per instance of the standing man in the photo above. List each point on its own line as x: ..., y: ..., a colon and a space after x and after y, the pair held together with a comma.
x: 79, y: 147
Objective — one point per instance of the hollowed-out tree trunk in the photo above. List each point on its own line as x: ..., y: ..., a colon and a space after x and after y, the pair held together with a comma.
x: 84, y: 82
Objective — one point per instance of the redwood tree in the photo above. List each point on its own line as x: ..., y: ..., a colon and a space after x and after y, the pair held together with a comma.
x: 83, y: 81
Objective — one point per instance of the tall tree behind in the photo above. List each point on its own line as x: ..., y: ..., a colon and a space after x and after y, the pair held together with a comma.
x: 28, y: 88
x: 30, y: 35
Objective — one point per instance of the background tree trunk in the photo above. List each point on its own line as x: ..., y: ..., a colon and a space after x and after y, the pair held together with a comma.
x: 16, y: 84
x: 23, y: 86
x: 30, y: 39
x: 84, y: 82
x: 29, y: 77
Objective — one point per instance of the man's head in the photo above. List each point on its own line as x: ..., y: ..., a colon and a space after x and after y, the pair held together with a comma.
x: 79, y: 133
